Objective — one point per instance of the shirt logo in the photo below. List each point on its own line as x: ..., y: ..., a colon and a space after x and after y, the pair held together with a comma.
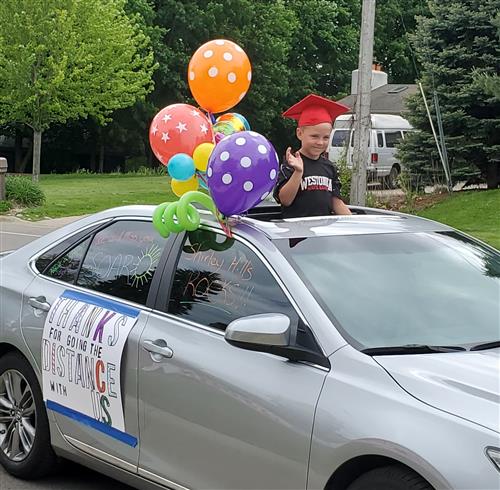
x: 316, y: 183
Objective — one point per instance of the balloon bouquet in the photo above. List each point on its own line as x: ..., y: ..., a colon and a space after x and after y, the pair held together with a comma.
x: 238, y: 166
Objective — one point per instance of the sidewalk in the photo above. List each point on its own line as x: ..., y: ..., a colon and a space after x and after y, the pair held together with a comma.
x: 44, y: 223
x: 15, y: 232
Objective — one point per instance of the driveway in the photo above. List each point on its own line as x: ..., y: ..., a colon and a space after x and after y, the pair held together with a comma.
x: 71, y: 477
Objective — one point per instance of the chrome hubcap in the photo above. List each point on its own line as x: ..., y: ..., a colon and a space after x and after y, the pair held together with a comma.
x: 17, y: 416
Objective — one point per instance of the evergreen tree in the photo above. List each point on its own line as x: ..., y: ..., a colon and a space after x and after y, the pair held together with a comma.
x: 491, y: 83
x: 457, y: 38
x: 395, y: 20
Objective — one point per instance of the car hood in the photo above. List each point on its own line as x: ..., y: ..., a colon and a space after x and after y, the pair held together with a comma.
x: 466, y: 384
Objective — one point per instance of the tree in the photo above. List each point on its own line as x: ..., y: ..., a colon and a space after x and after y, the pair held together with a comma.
x: 295, y: 47
x: 263, y: 28
x: 394, y: 21
x: 68, y: 59
x: 128, y: 131
x: 457, y: 38
x: 491, y: 83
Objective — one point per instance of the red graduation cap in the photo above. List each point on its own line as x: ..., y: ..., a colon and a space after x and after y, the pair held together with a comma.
x: 313, y: 109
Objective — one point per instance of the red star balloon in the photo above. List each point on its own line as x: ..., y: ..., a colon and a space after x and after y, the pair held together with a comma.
x: 178, y: 128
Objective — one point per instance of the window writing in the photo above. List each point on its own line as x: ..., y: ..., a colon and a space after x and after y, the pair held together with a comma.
x: 122, y: 260
x: 219, y: 279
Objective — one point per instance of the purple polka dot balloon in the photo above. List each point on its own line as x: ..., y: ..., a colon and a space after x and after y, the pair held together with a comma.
x: 241, y: 172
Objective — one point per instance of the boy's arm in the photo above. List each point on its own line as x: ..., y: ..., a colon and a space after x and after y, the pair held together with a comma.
x: 289, y: 190
x: 339, y: 207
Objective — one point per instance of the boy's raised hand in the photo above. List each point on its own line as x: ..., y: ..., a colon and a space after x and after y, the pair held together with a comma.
x: 295, y: 160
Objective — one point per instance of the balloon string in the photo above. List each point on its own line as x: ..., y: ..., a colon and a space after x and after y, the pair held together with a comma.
x: 210, y: 115
x: 202, y: 177
x: 222, y: 222
x: 224, y: 225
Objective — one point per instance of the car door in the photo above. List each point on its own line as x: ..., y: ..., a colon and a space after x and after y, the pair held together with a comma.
x: 92, y: 300
x: 213, y: 415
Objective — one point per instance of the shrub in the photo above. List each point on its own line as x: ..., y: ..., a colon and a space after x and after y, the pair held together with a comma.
x: 24, y: 191
x: 150, y: 172
x: 134, y: 163
x: 345, y: 176
x: 5, y: 206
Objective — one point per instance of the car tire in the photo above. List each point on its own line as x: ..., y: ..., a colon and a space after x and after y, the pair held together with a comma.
x: 25, y: 449
x: 392, y: 178
x: 392, y: 477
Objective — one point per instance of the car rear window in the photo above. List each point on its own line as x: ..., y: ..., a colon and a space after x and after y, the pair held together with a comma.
x: 340, y: 137
x: 52, y: 255
x: 392, y: 138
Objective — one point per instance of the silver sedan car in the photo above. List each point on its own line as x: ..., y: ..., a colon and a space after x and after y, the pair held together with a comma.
x: 343, y: 352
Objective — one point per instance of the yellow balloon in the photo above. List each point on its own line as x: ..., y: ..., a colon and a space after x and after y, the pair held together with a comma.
x: 201, y: 155
x: 180, y: 187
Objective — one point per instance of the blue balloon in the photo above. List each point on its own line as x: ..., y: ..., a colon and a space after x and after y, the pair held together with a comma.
x: 181, y: 167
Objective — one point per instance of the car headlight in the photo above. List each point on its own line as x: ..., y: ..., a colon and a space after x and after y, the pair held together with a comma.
x: 494, y: 454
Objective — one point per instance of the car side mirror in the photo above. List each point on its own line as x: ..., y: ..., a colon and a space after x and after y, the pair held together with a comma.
x: 270, y: 329
x: 273, y: 333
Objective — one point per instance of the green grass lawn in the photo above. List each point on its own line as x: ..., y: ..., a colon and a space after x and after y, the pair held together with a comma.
x: 475, y: 212
x: 74, y: 195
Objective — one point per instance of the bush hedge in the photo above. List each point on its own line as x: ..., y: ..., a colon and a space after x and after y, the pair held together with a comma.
x: 23, y: 191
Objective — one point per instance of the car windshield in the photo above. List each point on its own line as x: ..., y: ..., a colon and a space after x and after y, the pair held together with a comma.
x: 384, y: 290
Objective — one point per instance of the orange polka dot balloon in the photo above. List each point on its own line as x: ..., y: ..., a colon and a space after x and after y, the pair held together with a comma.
x: 219, y: 75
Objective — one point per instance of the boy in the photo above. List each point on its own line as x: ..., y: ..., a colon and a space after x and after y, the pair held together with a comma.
x: 308, y: 184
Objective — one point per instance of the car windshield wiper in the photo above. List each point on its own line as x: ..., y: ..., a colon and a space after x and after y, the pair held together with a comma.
x: 411, y: 349
x: 486, y: 345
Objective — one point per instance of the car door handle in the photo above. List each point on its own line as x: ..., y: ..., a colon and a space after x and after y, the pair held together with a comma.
x: 39, y: 303
x: 158, y: 349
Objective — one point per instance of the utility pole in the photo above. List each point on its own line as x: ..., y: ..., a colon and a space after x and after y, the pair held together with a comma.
x: 3, y: 171
x: 362, y: 123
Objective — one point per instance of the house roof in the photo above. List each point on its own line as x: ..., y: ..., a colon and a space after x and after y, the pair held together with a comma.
x: 387, y: 99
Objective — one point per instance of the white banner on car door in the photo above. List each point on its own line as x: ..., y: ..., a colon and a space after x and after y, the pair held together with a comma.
x: 82, y: 346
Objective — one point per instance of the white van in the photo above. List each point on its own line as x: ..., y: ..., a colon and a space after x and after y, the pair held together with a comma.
x: 386, y: 131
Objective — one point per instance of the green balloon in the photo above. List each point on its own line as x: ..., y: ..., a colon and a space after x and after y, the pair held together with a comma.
x: 158, y: 222
x: 174, y: 217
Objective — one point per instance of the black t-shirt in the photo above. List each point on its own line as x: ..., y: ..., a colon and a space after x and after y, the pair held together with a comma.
x: 320, y: 182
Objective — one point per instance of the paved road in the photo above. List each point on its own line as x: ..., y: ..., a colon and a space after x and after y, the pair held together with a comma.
x: 13, y: 234
x: 71, y: 477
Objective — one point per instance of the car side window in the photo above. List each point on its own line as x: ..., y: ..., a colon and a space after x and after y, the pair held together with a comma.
x: 392, y: 138
x: 66, y: 267
x: 46, y: 259
x: 220, y: 279
x: 380, y: 139
x: 122, y: 259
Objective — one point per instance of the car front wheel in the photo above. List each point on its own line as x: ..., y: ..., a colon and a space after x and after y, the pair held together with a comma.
x: 25, y: 449
x: 392, y: 477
